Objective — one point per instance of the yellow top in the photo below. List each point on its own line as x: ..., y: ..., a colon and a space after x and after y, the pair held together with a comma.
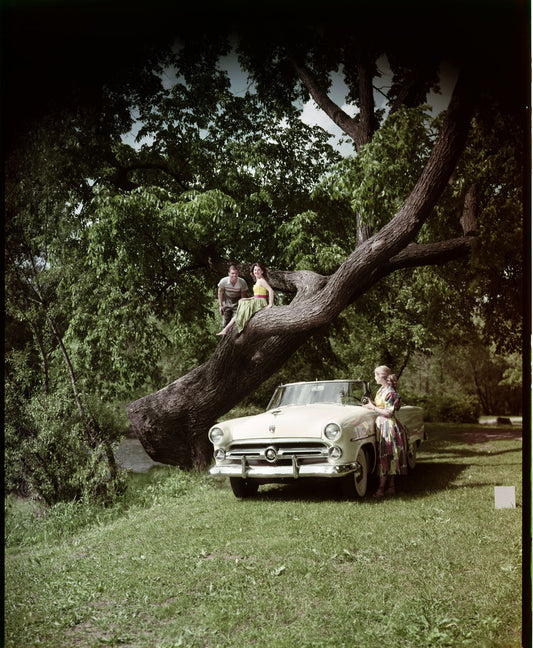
x: 260, y: 291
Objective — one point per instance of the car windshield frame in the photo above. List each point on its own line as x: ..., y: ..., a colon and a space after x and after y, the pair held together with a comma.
x: 337, y: 392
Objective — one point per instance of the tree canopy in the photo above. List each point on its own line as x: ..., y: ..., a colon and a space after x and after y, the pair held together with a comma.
x: 114, y: 246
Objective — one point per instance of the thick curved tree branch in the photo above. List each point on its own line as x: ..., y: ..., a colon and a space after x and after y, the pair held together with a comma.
x: 367, y: 260
x: 361, y: 130
x: 438, y: 170
x: 348, y: 124
x: 430, y: 254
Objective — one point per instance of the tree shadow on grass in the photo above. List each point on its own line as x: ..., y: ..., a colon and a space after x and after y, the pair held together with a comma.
x: 453, y: 451
x: 430, y: 474
x: 427, y: 477
x: 485, y: 435
x: 315, y: 490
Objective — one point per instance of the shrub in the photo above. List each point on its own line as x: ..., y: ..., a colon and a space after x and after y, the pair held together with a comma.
x: 448, y: 409
x: 53, y: 455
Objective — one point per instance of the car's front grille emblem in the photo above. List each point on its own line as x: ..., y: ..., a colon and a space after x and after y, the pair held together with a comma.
x: 271, y: 454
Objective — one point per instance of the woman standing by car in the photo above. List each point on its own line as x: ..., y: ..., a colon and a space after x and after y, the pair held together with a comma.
x: 250, y: 305
x: 389, y: 436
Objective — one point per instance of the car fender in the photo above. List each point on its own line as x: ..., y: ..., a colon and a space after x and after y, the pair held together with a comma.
x: 368, y: 444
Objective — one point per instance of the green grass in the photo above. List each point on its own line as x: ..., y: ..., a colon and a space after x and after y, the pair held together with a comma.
x: 182, y: 562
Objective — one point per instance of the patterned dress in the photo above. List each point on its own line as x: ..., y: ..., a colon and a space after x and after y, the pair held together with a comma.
x: 248, y: 307
x: 390, y: 437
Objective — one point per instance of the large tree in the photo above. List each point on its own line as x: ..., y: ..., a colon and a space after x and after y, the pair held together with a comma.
x: 172, y: 422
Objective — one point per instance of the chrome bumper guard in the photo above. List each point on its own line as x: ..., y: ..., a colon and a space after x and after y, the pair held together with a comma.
x: 246, y: 471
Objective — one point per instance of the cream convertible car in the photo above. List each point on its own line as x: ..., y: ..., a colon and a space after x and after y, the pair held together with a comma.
x: 310, y: 430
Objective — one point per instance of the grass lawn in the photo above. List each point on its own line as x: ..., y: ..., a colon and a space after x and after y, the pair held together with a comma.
x: 182, y: 562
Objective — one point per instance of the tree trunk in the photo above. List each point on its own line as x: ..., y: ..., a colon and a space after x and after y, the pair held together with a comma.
x: 172, y: 424
x: 66, y: 358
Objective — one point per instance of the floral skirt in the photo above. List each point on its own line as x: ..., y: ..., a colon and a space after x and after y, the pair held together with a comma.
x: 247, y: 308
x: 391, y: 447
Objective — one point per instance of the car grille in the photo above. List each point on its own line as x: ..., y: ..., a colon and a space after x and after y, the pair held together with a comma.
x: 285, y: 453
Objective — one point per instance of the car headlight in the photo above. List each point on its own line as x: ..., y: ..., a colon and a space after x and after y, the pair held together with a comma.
x: 332, y: 431
x: 216, y: 435
x: 334, y: 453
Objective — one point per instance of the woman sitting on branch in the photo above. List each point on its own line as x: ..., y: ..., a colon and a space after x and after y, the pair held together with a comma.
x: 250, y: 305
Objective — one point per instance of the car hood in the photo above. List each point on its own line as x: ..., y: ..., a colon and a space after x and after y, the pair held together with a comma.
x: 295, y: 421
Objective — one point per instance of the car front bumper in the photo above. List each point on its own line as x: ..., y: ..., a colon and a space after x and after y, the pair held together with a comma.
x: 294, y: 471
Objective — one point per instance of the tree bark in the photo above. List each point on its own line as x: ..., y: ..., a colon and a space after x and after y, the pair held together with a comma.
x: 470, y: 210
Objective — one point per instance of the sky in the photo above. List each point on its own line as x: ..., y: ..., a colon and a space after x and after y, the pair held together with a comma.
x: 312, y: 114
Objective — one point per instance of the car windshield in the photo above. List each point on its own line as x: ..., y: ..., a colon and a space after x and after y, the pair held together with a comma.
x: 343, y: 392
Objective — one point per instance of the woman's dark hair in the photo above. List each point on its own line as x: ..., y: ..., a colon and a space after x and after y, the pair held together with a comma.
x: 265, y: 275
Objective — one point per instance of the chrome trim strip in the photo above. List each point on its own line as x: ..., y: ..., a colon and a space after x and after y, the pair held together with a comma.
x: 282, y: 440
x: 371, y: 436
x: 273, y: 472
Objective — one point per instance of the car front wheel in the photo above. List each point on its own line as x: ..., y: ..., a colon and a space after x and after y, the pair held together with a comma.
x: 243, y: 487
x: 356, y: 484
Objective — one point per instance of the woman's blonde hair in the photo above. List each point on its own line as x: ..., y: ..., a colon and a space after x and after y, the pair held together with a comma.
x: 391, y: 379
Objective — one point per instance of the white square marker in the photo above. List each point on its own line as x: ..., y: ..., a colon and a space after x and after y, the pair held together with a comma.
x: 504, y: 497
